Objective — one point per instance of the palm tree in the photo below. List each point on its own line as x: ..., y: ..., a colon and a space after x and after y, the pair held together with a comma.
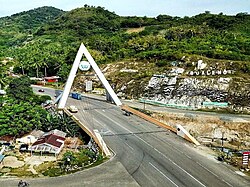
x: 35, y: 64
x: 44, y: 63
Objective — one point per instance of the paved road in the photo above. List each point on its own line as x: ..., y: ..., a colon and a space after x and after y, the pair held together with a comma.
x: 152, y: 155
x: 191, y: 113
x: 146, y: 155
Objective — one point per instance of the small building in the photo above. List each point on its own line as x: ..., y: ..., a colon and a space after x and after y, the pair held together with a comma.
x: 52, y: 79
x: 49, y: 143
x: 6, y: 139
x: 56, y: 132
x: 30, y: 138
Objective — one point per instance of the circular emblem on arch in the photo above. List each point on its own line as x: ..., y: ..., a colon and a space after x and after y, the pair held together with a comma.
x: 84, y: 66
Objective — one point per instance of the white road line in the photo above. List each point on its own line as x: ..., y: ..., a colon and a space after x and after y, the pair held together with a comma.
x: 188, y: 173
x: 227, y: 183
x: 158, y: 152
x: 207, y: 169
x: 119, y: 137
x: 163, y: 174
x: 129, y: 146
x: 99, y: 123
x: 187, y: 155
x: 240, y: 173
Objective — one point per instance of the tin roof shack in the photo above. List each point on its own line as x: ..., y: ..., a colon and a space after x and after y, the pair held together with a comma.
x: 30, y: 138
x: 6, y: 140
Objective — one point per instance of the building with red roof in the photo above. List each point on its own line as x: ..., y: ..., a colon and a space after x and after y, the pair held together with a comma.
x: 49, y: 143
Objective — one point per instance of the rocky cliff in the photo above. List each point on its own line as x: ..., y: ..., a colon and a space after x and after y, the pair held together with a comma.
x: 202, y: 87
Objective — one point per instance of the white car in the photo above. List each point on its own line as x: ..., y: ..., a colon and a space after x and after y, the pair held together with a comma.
x: 73, y: 109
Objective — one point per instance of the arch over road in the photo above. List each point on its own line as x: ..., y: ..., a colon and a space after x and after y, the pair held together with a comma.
x: 83, y: 50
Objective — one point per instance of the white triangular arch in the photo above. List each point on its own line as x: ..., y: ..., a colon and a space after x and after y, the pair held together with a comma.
x: 83, y: 50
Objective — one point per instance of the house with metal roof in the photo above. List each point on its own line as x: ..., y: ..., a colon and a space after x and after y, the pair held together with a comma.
x: 49, y: 143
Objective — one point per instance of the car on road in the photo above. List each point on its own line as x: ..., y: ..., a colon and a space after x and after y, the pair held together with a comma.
x: 72, y: 109
x: 41, y: 90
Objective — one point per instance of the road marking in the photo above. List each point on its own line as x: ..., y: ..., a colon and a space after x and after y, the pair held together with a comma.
x: 207, y: 169
x: 187, y: 173
x: 157, y: 151
x: 227, y: 183
x: 118, y: 137
x: 187, y: 155
x: 214, y: 174
x: 197, y: 162
x: 240, y: 173
x: 129, y: 146
x: 163, y: 174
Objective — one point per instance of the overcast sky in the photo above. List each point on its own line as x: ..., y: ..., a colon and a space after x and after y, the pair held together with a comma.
x: 150, y: 8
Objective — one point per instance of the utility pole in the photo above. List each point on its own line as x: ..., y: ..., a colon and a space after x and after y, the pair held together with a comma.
x: 222, y: 141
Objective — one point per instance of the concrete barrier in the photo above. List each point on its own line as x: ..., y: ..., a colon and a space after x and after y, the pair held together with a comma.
x: 103, y: 144
x: 146, y: 117
x: 184, y: 134
x: 94, y: 134
x: 179, y: 130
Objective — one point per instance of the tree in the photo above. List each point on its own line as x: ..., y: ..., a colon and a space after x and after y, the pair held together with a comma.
x: 20, y: 118
x: 20, y: 89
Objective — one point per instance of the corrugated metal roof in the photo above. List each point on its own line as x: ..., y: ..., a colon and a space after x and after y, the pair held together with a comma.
x: 51, y: 139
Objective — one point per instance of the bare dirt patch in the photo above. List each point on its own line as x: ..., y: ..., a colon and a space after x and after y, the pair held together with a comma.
x: 12, y: 162
x: 135, y: 30
x: 210, y: 129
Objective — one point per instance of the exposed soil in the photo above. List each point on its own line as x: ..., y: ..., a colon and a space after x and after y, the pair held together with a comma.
x: 210, y: 130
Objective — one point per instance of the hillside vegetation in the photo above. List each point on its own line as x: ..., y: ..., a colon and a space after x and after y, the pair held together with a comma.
x: 44, y: 41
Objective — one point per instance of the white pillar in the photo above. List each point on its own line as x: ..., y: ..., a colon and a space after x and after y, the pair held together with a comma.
x: 71, y: 78
x: 83, y: 50
x: 101, y: 76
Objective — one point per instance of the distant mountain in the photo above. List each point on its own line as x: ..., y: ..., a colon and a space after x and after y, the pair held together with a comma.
x: 19, y: 27
x: 30, y: 20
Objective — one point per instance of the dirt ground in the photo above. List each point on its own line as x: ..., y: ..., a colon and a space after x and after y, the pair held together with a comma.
x: 210, y: 130
x: 31, y: 161
x: 12, y: 162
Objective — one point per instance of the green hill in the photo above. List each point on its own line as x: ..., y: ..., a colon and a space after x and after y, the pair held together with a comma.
x: 46, y: 39
x: 18, y: 28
